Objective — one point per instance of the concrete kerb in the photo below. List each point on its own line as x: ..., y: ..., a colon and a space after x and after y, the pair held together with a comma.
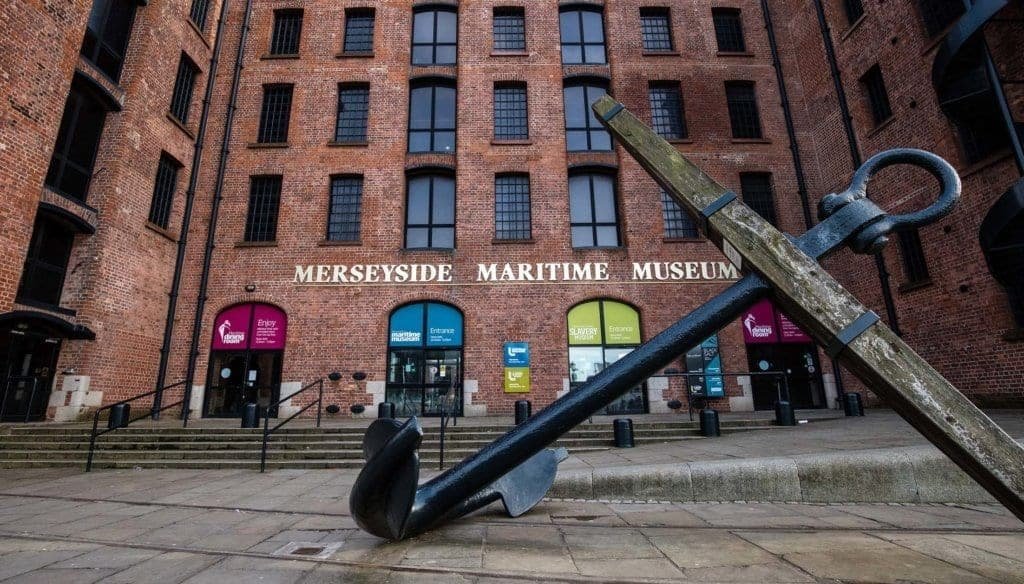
x: 916, y: 474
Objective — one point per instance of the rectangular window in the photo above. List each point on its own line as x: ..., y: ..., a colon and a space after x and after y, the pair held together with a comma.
x: 275, y: 113
x: 287, y: 32
x: 345, y: 212
x: 107, y: 34
x: 854, y: 10
x: 656, y: 30
x: 729, y: 30
x: 582, y: 130
x: 184, y: 84
x: 678, y: 224
x: 593, y: 216
x: 981, y: 131
x: 667, y: 116
x: 938, y: 15
x: 197, y: 14
x: 42, y: 279
x: 743, y: 114
x: 432, y: 118
x: 264, y: 201
x: 163, y: 191
x: 915, y: 268
x: 512, y: 207
x: 430, y: 212
x: 878, y: 97
x: 756, y: 188
x: 435, y: 37
x: 78, y: 139
x: 582, y: 32
x: 353, y: 111
x: 359, y: 23
x: 509, y: 29
x: 510, y: 118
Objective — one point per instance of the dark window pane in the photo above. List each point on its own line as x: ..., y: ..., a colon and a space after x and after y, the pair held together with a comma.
x: 582, y: 130
x: 417, y: 238
x: 443, y: 238
x: 582, y: 33
x: 430, y: 212
x: 198, y: 13
x: 593, y: 217
x: 678, y: 223
x: 432, y: 118
x: 353, y: 110
x: 854, y: 10
x: 729, y: 30
x: 287, y: 31
x: 512, y: 207
x: 915, y: 268
x: 509, y: 29
x: 345, y: 211
x: 264, y: 201
x: 878, y: 97
x: 107, y: 34
x: 276, y: 111
x: 981, y: 131
x: 163, y: 191
x: 743, y: 114
x: 434, y: 37
x: 447, y: 27
x: 757, y: 193
x: 667, y: 111
x: 78, y: 139
x: 939, y: 14
x: 359, y: 23
x: 184, y: 84
x: 510, y: 118
x: 42, y: 279
x: 655, y: 29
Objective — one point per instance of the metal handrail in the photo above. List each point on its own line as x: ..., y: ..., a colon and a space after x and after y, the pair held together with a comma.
x: 267, y: 430
x: 690, y: 394
x: 150, y: 413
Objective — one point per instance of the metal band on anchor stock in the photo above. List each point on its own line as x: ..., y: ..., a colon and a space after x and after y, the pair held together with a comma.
x: 715, y: 207
x: 608, y: 115
x: 851, y: 332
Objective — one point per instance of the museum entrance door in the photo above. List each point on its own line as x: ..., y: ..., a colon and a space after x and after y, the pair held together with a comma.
x: 29, y: 360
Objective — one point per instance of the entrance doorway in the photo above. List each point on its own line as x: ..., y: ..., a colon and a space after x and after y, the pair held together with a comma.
x: 29, y: 359
x: 803, y: 377
x: 425, y: 360
x: 246, y: 358
x: 600, y: 333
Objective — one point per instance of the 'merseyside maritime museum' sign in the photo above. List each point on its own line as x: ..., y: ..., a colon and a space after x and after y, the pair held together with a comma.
x: 495, y: 273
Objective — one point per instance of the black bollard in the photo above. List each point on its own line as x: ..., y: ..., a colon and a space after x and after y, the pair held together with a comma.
x: 623, y: 432
x: 119, y: 416
x: 784, y: 414
x: 523, y: 410
x: 386, y: 410
x: 250, y: 415
x: 709, y: 426
x: 853, y: 405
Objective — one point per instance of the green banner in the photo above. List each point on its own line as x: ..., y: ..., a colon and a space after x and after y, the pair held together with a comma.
x: 621, y: 324
x: 585, y: 324
x: 517, y: 379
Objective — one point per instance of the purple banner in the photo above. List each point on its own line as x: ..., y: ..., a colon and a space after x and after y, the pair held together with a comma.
x: 250, y: 326
x: 759, y: 324
x: 269, y: 328
x: 789, y: 332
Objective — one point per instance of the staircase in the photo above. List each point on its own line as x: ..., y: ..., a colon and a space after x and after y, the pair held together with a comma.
x: 43, y: 446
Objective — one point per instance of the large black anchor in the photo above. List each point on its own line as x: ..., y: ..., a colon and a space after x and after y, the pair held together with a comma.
x: 387, y: 500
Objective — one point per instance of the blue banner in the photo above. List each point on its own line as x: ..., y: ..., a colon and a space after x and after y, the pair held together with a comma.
x: 444, y: 326
x: 406, y: 328
x: 516, y: 354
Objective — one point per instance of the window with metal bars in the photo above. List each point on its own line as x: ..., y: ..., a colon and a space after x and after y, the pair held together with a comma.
x: 915, y: 267
x: 264, y: 202
x: 287, y: 32
x: 275, y: 113
x: 582, y: 32
x: 878, y: 97
x: 430, y: 212
x: 359, y: 23
x: 655, y: 29
x: 582, y: 130
x: 107, y: 34
x: 729, y: 30
x: 353, y: 111
x: 432, y: 117
x: 46, y: 263
x: 198, y: 13
x: 938, y: 15
x: 184, y: 84
x: 593, y: 213
x: 78, y: 139
x: 756, y: 189
x: 743, y: 114
x: 512, y: 207
x: 435, y: 36
x: 509, y: 29
x: 510, y: 114
x: 345, y: 213
x: 678, y: 224
x: 163, y: 190
x: 667, y: 115
x: 854, y: 10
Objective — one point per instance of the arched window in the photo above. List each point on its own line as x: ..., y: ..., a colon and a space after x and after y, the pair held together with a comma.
x: 582, y: 31
x: 435, y: 36
x: 582, y: 130
x: 600, y: 333
x: 424, y: 359
x: 432, y: 116
x: 593, y: 212
x: 246, y: 356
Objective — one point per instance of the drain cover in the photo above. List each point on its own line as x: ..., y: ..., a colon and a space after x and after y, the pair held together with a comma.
x: 307, y: 549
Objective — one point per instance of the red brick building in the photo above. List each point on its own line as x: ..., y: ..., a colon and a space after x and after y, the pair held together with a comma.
x: 244, y: 196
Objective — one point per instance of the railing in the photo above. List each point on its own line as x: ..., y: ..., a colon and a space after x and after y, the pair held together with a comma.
x: 11, y: 381
x: 690, y: 395
x: 149, y: 413
x: 448, y: 395
x: 267, y: 430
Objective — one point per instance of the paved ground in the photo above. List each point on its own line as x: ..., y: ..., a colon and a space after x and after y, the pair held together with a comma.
x: 61, y: 525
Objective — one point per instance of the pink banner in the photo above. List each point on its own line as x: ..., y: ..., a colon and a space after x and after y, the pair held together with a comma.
x: 759, y: 324
x: 231, y: 329
x: 269, y: 327
x: 789, y: 332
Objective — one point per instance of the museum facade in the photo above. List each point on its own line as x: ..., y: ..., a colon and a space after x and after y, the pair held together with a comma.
x: 228, y: 200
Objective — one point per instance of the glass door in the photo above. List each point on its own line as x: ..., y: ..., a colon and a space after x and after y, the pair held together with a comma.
x: 634, y: 400
x: 28, y: 375
x: 442, y: 380
x: 240, y: 377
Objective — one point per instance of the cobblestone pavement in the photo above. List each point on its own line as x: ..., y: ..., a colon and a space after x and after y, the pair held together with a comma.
x: 293, y: 526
